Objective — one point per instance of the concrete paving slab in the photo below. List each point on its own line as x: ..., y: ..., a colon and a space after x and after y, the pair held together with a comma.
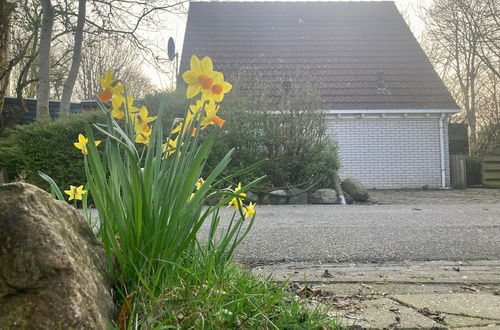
x: 457, y: 322
x: 481, y: 271
x: 398, y: 288
x: 477, y: 305
x: 384, y: 313
x: 494, y: 326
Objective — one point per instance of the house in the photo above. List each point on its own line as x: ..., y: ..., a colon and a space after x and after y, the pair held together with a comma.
x: 384, y: 103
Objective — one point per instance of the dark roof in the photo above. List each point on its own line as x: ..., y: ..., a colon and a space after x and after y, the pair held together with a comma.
x: 360, y: 55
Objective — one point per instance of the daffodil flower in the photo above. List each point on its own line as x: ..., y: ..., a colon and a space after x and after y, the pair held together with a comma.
x: 211, y: 117
x: 181, y: 127
x: 249, y: 211
x: 218, y: 89
x: 120, y: 104
x: 82, y: 144
x: 111, y: 87
x: 140, y: 119
x: 169, y: 147
x: 75, y: 192
x: 200, y: 77
x: 199, y: 183
x: 236, y: 201
x: 144, y: 135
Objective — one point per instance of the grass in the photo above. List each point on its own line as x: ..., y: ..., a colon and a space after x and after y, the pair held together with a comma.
x: 229, y: 299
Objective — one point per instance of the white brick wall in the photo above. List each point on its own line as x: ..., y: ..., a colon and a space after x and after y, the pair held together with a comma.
x: 390, y: 152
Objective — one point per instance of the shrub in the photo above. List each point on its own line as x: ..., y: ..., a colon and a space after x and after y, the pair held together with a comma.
x: 47, y: 146
x: 288, y: 130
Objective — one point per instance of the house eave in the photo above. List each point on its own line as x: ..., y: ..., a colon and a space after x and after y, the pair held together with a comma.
x: 389, y: 111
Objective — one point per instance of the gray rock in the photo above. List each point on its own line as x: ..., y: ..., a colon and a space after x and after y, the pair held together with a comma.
x: 355, y: 189
x: 324, y: 196
x: 53, y: 269
x: 253, y: 196
x: 298, y: 196
x: 276, y: 197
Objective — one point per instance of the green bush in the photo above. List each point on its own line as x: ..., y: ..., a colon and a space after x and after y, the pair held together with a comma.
x: 287, y: 129
x: 47, y: 146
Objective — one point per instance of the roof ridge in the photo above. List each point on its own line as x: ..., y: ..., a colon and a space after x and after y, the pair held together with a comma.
x: 291, y: 1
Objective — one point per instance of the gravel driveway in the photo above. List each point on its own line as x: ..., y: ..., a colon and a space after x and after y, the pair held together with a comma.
x: 450, y: 196
x: 423, y: 225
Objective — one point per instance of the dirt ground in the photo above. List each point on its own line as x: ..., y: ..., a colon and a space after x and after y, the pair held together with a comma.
x: 449, y: 196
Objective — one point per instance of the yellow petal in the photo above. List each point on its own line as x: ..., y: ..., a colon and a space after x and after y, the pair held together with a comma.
x: 218, y: 77
x: 193, y: 90
x: 98, y: 142
x: 206, y: 65
x: 226, y: 87
x: 190, y: 77
x: 82, y: 139
x: 195, y: 64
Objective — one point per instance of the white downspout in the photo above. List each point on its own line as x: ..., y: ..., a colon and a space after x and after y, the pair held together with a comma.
x: 442, y: 151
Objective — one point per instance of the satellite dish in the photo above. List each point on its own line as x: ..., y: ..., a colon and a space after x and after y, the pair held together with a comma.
x: 171, y: 49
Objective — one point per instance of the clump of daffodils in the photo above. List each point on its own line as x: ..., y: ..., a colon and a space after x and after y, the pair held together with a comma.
x: 202, y: 81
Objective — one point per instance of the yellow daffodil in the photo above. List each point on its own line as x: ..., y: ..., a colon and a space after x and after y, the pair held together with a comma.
x: 198, y: 186
x: 75, y: 192
x: 237, y: 200
x: 200, y: 77
x: 143, y: 135
x: 120, y: 104
x: 140, y: 119
x: 211, y: 117
x: 170, y: 146
x: 111, y: 87
x: 218, y: 89
x: 117, y: 108
x: 82, y: 144
x: 249, y: 210
x: 199, y: 183
x: 181, y: 127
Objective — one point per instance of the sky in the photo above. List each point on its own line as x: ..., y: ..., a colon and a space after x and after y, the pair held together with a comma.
x: 176, y: 25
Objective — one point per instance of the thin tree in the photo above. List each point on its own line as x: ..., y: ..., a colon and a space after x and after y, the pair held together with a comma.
x: 75, y: 62
x: 42, y: 105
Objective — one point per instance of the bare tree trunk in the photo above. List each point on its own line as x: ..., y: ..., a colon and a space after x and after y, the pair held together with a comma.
x: 6, y: 9
x: 69, y: 84
x: 42, y: 97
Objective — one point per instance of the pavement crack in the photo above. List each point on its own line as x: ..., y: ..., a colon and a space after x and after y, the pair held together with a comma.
x: 435, y: 316
x: 472, y: 316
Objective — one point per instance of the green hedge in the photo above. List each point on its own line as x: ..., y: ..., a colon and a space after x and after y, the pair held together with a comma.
x: 47, y: 146
x: 293, y: 140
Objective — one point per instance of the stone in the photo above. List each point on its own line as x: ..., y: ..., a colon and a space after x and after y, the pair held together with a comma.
x: 53, y: 272
x: 298, y: 197
x: 253, y: 196
x: 324, y: 196
x: 276, y: 197
x: 355, y: 189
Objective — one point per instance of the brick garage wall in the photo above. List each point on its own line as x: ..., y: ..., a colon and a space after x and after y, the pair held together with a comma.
x: 391, y: 152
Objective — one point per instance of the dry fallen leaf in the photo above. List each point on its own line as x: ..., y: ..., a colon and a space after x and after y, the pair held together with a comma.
x: 124, y: 315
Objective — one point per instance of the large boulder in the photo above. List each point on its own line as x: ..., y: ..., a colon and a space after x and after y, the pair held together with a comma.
x: 298, y: 197
x: 324, y: 196
x: 355, y: 189
x: 53, y: 269
x: 276, y: 197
